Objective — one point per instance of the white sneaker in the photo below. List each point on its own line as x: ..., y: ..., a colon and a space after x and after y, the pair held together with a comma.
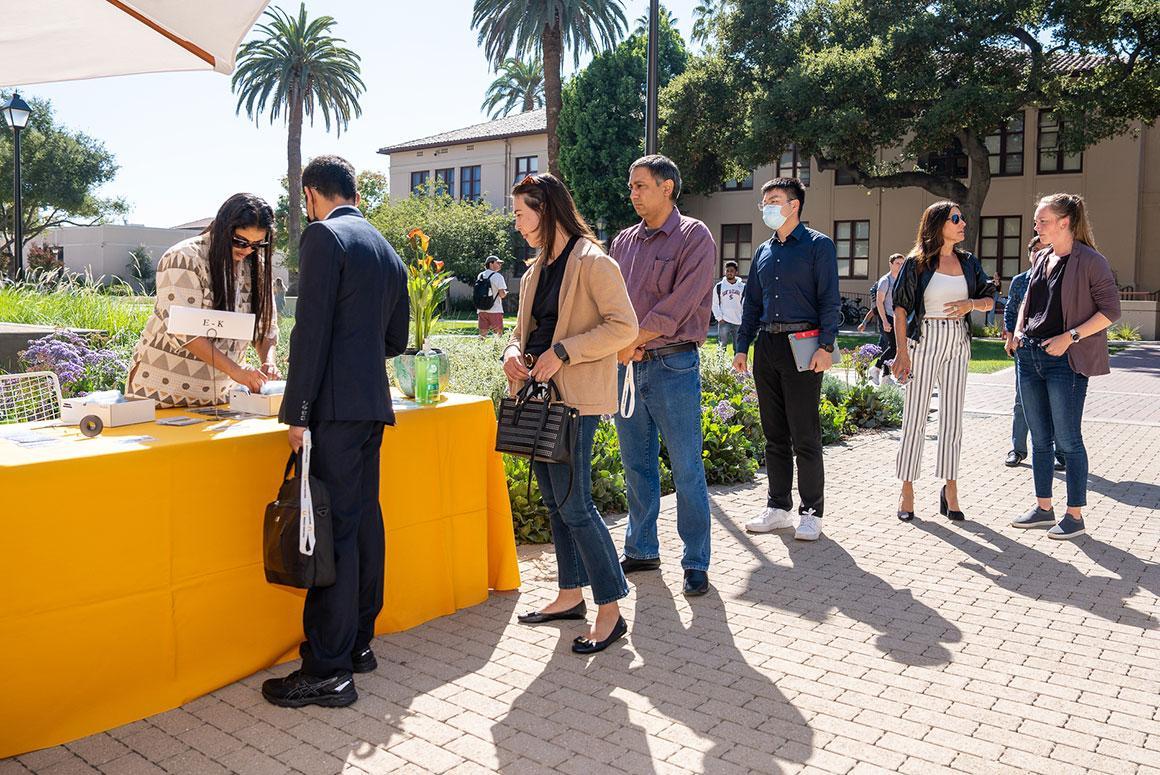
x: 809, y: 527
x: 875, y: 375
x: 771, y: 519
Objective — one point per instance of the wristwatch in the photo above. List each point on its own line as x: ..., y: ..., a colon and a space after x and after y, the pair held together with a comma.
x: 827, y: 347
x: 1074, y: 335
x: 561, y: 353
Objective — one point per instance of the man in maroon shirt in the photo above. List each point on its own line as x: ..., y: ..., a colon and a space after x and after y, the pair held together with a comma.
x: 669, y: 263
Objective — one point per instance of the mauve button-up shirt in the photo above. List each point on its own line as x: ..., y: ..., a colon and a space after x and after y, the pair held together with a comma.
x: 670, y: 276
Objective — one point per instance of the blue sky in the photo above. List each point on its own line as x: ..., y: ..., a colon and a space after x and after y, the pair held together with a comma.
x: 182, y: 150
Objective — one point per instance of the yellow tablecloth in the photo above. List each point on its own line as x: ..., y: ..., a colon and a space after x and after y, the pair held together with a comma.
x: 132, y: 581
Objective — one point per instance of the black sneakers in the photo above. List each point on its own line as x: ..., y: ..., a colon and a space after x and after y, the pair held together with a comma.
x: 298, y: 689
x: 364, y: 661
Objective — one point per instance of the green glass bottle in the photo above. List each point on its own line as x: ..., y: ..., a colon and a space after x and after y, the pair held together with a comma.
x: 427, y: 376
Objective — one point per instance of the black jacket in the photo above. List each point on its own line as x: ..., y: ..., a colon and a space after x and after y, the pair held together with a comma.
x: 911, y: 284
x: 351, y: 316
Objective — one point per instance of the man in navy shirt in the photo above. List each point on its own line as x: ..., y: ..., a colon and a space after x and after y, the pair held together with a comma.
x: 793, y: 287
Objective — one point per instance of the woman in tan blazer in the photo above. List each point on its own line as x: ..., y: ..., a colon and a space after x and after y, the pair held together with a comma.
x: 574, y: 316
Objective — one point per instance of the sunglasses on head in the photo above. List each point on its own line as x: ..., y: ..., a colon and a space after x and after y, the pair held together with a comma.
x: 243, y: 244
x: 956, y: 219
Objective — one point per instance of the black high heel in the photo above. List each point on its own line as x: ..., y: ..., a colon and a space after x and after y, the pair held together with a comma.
x: 905, y: 516
x: 954, y: 516
x: 585, y: 646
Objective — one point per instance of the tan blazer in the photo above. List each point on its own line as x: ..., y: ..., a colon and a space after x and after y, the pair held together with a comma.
x: 596, y: 322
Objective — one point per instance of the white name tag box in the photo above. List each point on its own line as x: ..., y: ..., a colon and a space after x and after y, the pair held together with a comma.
x: 129, y: 412
x: 255, y: 403
x: 212, y: 323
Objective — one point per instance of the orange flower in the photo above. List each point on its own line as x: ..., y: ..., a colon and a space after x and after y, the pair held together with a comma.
x: 411, y: 234
x: 438, y: 266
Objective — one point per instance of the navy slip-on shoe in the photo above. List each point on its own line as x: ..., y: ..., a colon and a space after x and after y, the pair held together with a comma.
x: 1068, y: 528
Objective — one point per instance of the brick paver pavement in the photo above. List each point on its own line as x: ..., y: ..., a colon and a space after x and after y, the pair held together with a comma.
x: 885, y: 646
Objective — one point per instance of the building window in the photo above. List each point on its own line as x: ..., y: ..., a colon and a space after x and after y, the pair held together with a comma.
x: 1001, y: 245
x: 1005, y: 148
x: 951, y: 162
x: 737, y: 245
x: 445, y: 179
x: 791, y: 164
x: 843, y: 178
x: 1052, y: 159
x: 469, y: 183
x: 852, y: 241
x: 744, y: 184
x: 419, y: 182
x: 526, y: 165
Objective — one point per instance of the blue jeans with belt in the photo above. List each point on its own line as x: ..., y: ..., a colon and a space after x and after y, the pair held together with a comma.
x: 668, y: 401
x: 585, y: 553
x: 1053, y: 398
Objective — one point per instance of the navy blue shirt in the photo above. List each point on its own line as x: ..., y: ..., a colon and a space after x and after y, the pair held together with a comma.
x: 795, y: 281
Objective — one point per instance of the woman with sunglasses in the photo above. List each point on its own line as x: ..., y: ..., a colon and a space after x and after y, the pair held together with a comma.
x: 228, y: 267
x: 938, y: 287
x: 574, y: 316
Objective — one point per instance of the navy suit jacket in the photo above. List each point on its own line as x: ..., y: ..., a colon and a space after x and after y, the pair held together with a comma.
x: 351, y: 316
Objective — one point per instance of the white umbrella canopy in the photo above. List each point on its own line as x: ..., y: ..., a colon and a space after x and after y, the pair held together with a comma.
x: 67, y: 40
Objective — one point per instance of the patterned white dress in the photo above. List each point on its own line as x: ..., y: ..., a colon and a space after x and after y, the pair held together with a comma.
x: 162, y: 369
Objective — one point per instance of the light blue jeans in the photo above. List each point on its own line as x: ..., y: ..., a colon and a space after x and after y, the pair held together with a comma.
x: 668, y: 402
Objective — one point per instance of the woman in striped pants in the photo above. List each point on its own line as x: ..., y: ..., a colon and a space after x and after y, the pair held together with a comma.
x: 939, y: 285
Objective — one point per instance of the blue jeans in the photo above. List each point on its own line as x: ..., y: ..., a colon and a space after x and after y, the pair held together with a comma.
x: 668, y: 400
x: 727, y: 334
x: 1053, y: 397
x: 585, y: 553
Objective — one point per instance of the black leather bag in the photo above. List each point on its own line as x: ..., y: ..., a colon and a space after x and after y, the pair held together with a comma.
x: 537, y: 425
x: 295, y: 555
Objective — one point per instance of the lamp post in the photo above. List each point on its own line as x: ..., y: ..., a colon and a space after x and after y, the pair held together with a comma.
x: 650, y: 116
x: 16, y: 113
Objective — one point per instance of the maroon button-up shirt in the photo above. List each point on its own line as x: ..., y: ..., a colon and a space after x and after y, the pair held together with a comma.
x: 670, y: 276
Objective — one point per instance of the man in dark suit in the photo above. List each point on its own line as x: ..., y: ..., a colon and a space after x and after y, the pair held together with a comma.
x: 352, y: 315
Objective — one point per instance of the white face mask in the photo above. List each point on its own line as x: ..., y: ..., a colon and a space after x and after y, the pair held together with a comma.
x: 773, y: 216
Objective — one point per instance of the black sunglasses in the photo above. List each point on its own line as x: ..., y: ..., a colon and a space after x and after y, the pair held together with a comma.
x: 956, y: 219
x: 243, y: 244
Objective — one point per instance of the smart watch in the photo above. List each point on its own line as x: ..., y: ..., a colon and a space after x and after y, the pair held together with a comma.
x: 827, y: 347
x: 561, y: 353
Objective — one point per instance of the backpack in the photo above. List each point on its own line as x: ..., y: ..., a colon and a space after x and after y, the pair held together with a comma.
x: 481, y: 294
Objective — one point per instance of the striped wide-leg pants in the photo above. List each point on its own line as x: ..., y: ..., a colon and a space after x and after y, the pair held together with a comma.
x: 939, y: 358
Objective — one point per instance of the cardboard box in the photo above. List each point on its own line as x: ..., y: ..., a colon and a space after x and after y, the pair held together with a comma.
x: 255, y: 403
x: 129, y: 412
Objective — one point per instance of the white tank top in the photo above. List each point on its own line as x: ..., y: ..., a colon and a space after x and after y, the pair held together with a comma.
x: 943, y: 288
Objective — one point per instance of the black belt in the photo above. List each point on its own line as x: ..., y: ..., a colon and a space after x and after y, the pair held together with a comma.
x: 669, y: 349
x: 786, y: 328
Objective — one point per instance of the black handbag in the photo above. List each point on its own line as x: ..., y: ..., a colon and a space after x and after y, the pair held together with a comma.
x: 537, y: 425
x: 297, y: 548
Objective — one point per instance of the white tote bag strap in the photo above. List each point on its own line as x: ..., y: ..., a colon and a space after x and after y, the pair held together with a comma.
x: 628, y: 393
x: 306, y: 515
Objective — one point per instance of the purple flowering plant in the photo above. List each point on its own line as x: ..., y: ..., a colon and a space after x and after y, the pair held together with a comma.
x: 864, y: 358
x: 82, y: 367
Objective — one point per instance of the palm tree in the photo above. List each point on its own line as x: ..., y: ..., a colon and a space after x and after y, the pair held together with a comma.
x: 295, y: 68
x: 704, y: 15
x: 545, y: 28
x: 665, y: 14
x: 520, y: 83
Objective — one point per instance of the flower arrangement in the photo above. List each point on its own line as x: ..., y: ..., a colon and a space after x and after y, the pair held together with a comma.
x: 80, y: 367
x: 427, y: 285
x: 864, y: 358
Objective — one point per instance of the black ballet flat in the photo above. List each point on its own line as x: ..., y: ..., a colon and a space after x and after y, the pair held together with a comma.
x: 585, y: 646
x: 954, y: 516
x: 578, y: 611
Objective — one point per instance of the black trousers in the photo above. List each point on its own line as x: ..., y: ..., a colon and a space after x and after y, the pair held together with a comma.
x: 889, y: 347
x: 788, y: 400
x: 340, y: 619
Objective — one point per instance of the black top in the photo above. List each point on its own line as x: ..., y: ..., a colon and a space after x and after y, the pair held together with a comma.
x: 1043, y: 316
x: 353, y: 312
x: 910, y: 289
x: 546, y: 304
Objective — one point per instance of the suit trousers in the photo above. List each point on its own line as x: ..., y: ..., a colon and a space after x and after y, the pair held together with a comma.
x: 940, y: 359
x: 340, y: 619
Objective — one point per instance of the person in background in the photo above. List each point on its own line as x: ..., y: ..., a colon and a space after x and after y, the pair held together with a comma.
x: 937, y: 288
x: 352, y: 315
x: 727, y: 306
x: 989, y: 316
x: 1016, y: 292
x: 574, y: 316
x: 884, y: 304
x: 227, y: 267
x: 669, y: 262
x: 793, y: 287
x: 280, y: 296
x: 491, y: 319
x: 1061, y: 341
